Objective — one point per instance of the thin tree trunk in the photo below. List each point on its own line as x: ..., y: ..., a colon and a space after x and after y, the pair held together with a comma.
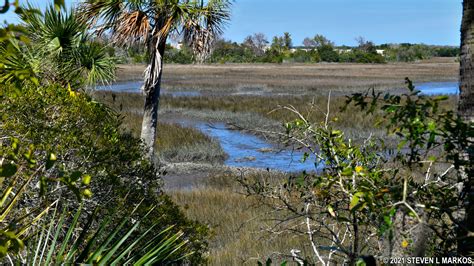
x: 466, y: 96
x: 465, y: 110
x: 151, y: 89
x: 355, y: 246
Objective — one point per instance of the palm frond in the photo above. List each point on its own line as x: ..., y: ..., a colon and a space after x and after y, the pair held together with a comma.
x: 108, y: 11
x: 203, y: 25
x: 108, y: 244
x: 17, y: 64
x: 60, y: 51
x: 217, y: 15
x: 134, y: 26
x: 54, y: 32
x: 95, y: 64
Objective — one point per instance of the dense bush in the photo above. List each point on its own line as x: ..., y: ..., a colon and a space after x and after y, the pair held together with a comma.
x: 358, y: 56
x: 85, y: 138
x: 302, y: 56
x: 407, y: 52
x: 328, y: 54
x: 178, y: 56
x: 231, y: 52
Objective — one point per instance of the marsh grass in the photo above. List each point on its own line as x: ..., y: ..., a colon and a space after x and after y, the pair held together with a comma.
x: 314, y: 107
x: 297, y: 78
x: 175, y: 143
x: 256, y: 113
x: 237, y: 223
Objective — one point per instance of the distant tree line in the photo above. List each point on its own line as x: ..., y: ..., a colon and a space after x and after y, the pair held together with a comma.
x: 257, y: 48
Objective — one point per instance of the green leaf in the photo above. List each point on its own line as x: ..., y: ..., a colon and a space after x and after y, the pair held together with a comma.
x: 355, y: 200
x: 50, y: 161
x: 268, y: 262
x: 86, y: 179
x: 388, y: 220
x: 441, y: 98
x: 18, y: 194
x: 401, y: 144
x: 431, y: 125
x: 104, y: 260
x: 87, y: 193
x: 75, y: 176
x: 331, y: 211
x: 8, y: 170
x: 105, y: 244
x: 5, y: 7
x: 58, y: 4
x: 391, y: 109
x: 132, y: 245
x: 68, y: 236
x: 347, y: 171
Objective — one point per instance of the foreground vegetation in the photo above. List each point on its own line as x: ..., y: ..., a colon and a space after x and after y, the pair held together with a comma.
x: 78, y: 186
x: 62, y: 151
x: 86, y: 145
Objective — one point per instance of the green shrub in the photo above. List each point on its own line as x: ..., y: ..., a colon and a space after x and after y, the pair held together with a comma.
x: 379, y: 202
x: 328, y: 54
x: 358, y: 56
x: 85, y: 138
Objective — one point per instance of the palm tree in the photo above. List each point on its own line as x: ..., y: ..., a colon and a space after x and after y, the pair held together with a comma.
x: 54, y: 47
x: 466, y: 111
x: 151, y: 22
x: 466, y: 99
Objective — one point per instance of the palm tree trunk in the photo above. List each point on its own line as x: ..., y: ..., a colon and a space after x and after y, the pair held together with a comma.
x: 465, y: 110
x: 466, y: 97
x: 151, y: 89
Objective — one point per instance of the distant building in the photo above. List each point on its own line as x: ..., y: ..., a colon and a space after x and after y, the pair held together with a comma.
x: 300, y: 48
x: 342, y: 51
x: 380, y: 52
x: 177, y: 46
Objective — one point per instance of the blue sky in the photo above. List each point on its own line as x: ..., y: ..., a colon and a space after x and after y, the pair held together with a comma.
x: 381, y: 21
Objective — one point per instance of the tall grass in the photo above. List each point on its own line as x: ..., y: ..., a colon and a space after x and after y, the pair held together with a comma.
x: 296, y: 78
x: 175, y: 143
x: 261, y: 112
x: 237, y: 223
x: 314, y: 107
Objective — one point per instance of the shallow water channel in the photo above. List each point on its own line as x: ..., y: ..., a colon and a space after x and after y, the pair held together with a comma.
x: 247, y: 150
x: 438, y: 88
